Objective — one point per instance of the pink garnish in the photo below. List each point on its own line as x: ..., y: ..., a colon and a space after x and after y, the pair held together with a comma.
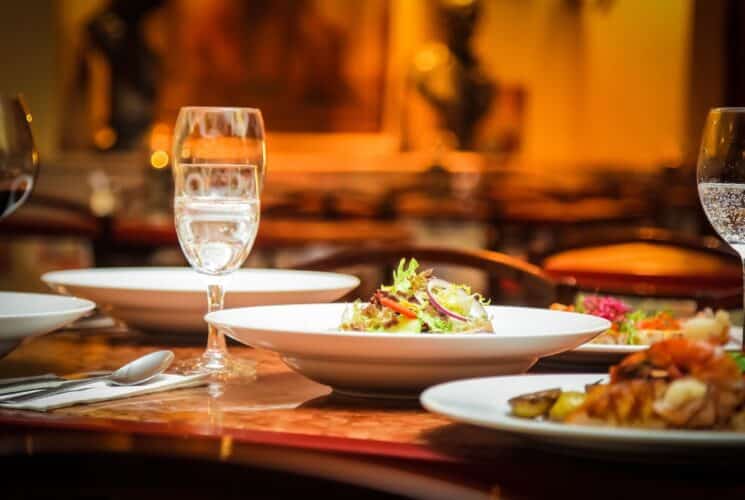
x: 609, y: 308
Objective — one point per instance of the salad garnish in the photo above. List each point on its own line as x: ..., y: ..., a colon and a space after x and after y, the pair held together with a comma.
x: 609, y: 308
x: 739, y: 358
x: 418, y: 302
x: 643, y: 327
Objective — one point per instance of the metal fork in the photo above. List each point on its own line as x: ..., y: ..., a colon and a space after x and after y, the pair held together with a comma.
x: 9, y: 387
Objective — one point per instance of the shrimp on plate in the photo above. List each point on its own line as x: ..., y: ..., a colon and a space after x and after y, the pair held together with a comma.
x: 676, y: 383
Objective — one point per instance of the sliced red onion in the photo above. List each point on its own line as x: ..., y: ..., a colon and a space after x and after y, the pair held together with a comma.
x: 437, y: 282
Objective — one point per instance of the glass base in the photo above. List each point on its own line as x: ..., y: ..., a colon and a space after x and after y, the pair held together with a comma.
x: 219, y: 365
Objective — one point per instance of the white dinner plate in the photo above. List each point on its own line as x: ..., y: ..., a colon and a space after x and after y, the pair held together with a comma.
x: 25, y: 315
x: 398, y: 364
x: 174, y: 299
x: 608, y: 354
x: 484, y: 402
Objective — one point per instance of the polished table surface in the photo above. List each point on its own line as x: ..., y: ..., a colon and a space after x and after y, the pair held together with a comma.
x: 283, y: 421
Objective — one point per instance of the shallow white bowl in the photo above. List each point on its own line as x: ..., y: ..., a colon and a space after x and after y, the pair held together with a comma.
x: 396, y: 364
x: 25, y: 315
x: 484, y: 402
x: 174, y: 299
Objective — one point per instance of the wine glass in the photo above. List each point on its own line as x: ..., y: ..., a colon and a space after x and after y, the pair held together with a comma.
x: 721, y: 175
x: 218, y: 166
x: 19, y: 160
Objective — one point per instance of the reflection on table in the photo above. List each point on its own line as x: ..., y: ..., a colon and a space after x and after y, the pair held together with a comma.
x: 287, y: 424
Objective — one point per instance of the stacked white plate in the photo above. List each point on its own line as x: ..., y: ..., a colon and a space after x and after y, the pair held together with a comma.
x: 175, y: 299
x: 608, y: 354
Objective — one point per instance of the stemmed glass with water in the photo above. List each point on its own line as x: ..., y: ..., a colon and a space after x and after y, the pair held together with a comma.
x: 218, y: 167
x: 721, y: 175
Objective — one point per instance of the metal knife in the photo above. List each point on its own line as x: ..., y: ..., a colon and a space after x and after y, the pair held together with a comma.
x: 19, y: 385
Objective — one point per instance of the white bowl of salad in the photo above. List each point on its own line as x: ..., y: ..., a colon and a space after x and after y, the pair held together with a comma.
x: 416, y: 332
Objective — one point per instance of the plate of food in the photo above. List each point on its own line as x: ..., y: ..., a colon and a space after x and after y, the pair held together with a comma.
x: 173, y: 298
x: 679, y: 395
x: 634, y: 329
x: 415, y: 332
x: 26, y: 315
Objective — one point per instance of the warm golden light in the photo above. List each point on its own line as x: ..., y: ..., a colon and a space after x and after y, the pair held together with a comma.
x: 29, y: 118
x: 160, y: 137
x: 226, y: 447
x: 104, y: 138
x: 431, y: 57
x: 459, y: 3
x: 102, y: 202
x: 159, y: 159
x: 223, y: 149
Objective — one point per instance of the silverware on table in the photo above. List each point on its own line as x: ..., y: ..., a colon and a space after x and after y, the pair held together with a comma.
x: 9, y: 382
x: 135, y: 372
x: 37, y: 382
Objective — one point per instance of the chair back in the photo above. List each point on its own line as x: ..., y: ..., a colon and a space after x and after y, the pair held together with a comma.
x: 648, y: 262
x: 506, y: 280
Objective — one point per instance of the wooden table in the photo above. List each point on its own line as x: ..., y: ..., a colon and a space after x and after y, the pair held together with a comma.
x: 286, y: 435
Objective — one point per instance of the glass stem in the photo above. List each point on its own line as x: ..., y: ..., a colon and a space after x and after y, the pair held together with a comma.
x: 216, y: 339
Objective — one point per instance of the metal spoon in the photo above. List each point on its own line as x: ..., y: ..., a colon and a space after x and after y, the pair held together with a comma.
x: 135, y: 372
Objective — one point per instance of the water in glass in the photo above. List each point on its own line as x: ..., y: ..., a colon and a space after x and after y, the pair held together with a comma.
x: 219, y: 157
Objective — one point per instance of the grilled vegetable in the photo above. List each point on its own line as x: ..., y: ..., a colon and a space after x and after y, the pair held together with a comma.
x: 566, y: 404
x: 534, y: 404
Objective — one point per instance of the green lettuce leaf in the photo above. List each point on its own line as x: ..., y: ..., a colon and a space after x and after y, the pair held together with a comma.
x: 739, y: 358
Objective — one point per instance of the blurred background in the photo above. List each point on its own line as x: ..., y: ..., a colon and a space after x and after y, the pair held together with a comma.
x: 512, y: 125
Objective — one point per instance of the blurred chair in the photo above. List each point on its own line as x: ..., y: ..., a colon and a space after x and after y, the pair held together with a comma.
x: 49, y: 216
x: 45, y: 234
x: 542, y: 225
x: 508, y: 280
x: 134, y: 240
x: 656, y: 235
x: 650, y: 262
x: 336, y: 204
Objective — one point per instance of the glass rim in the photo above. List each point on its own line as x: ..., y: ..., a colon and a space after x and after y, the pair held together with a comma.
x: 223, y: 108
x: 731, y: 109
